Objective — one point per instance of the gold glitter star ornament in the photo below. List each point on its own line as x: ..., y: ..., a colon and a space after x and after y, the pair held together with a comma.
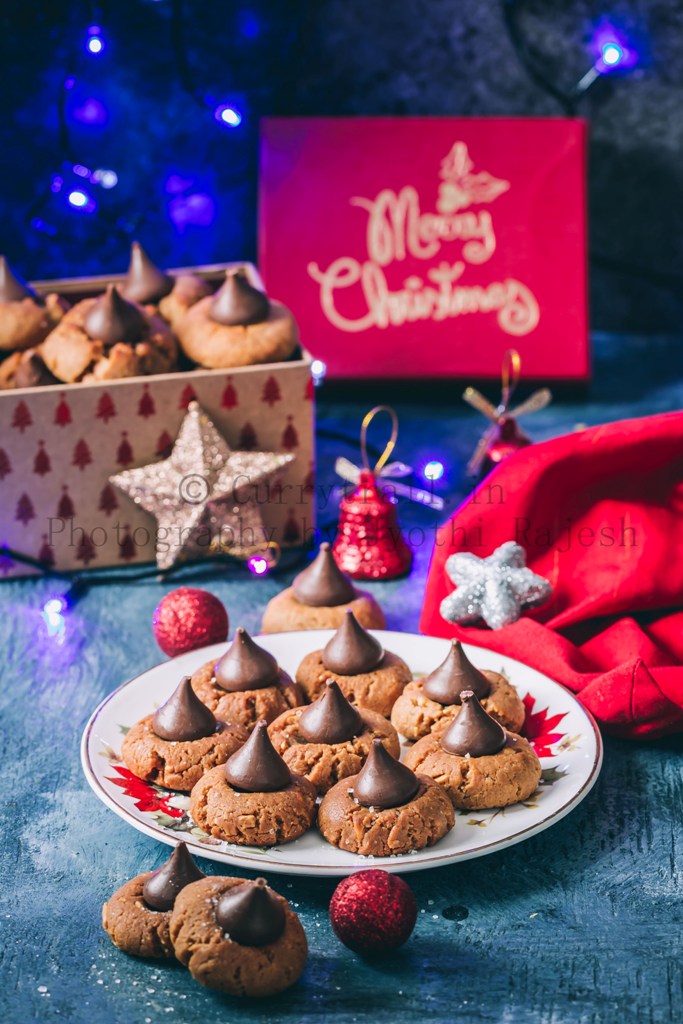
x: 205, y: 497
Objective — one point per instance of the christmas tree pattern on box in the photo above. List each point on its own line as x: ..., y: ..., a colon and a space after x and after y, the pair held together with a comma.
x: 59, y: 447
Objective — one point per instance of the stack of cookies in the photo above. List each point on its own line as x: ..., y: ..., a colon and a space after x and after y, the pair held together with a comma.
x: 265, y: 757
x: 141, y: 326
x: 233, y: 935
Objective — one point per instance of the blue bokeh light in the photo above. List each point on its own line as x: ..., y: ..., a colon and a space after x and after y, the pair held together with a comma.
x: 228, y: 115
x: 53, y: 616
x: 94, y: 42
x: 81, y: 200
x: 433, y: 470
x: 91, y: 112
x: 612, y: 55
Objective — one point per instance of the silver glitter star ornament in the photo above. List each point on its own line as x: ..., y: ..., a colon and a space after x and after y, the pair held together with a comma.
x: 205, y: 497
x: 495, y: 589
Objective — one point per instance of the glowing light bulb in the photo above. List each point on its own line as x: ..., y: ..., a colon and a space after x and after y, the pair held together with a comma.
x: 228, y: 115
x: 433, y: 470
x: 53, y: 615
x: 80, y: 200
x: 105, y: 178
x: 94, y: 43
x: 612, y: 54
x: 318, y: 371
x: 258, y: 565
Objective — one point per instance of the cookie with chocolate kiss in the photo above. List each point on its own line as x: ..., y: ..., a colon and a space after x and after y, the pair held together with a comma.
x: 368, y: 676
x: 239, y: 937
x: 26, y: 318
x: 137, y: 917
x: 181, y: 741
x: 385, y: 809
x: 330, y: 739
x: 238, y: 326
x: 254, y: 799
x: 318, y: 598
x: 246, y: 684
x: 479, y: 763
x: 432, y: 702
x: 107, y: 338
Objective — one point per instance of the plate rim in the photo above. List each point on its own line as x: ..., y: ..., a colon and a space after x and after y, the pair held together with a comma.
x: 399, y: 864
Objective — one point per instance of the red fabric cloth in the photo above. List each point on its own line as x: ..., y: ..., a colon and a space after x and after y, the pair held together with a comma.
x: 600, y: 515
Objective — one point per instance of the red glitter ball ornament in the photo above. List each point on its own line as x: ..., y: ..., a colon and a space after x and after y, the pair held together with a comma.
x: 373, y: 912
x: 188, y: 618
x: 369, y: 544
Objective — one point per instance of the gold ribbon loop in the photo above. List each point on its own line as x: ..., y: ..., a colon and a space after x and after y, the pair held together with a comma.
x: 510, y: 373
x: 391, y: 443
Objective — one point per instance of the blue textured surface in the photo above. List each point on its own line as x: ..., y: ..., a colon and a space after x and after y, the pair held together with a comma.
x: 579, y: 924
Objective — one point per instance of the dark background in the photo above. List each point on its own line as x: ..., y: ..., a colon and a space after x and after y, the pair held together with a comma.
x: 187, y: 185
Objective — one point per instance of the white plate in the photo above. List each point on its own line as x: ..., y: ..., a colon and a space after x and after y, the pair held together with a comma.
x: 564, y: 735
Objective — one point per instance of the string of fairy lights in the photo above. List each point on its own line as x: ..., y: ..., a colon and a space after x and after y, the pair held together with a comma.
x: 83, y: 187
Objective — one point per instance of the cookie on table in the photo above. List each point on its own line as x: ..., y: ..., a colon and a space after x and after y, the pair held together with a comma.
x: 478, y: 762
x: 246, y: 684
x: 138, y: 915
x: 26, y: 318
x: 239, y: 937
x: 318, y: 599
x: 25, y: 369
x: 384, y: 810
x: 108, y: 338
x: 433, y: 701
x: 187, y: 290
x: 368, y: 676
x: 254, y: 799
x: 181, y: 741
x: 238, y: 326
x: 330, y: 739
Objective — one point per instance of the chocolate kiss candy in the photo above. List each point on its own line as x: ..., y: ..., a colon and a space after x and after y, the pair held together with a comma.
x: 144, y: 281
x: 112, y: 319
x: 238, y: 302
x: 383, y: 781
x: 455, y: 674
x: 323, y: 584
x: 250, y: 914
x: 473, y: 732
x: 183, y: 716
x: 246, y: 666
x: 257, y: 767
x: 352, y: 650
x: 11, y: 288
x: 160, y: 891
x: 330, y: 719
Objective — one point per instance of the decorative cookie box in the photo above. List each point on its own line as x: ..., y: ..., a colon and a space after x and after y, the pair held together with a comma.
x: 60, y: 445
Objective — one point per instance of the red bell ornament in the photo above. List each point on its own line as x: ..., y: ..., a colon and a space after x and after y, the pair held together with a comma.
x: 369, y: 543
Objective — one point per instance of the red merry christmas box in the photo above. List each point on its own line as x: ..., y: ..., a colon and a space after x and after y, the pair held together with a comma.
x: 429, y: 246
x: 59, y: 445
